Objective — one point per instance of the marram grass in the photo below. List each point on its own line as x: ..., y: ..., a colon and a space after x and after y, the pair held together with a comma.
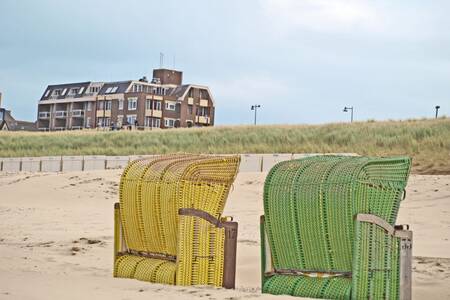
x: 427, y: 141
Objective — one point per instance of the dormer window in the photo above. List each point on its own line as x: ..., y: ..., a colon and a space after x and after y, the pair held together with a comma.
x: 108, y: 90
x: 47, y: 93
x: 114, y: 89
x: 73, y: 91
x: 94, y: 89
x: 56, y: 93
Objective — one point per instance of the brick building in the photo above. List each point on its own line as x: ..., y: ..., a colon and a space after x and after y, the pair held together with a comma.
x: 164, y: 102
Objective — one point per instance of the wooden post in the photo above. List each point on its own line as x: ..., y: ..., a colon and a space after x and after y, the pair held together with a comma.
x: 61, y: 165
x: 82, y: 164
x: 406, y: 266
x: 20, y: 165
x: 262, y: 163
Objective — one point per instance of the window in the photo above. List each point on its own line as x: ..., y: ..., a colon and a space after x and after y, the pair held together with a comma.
x: 131, y: 119
x: 120, y: 104
x: 56, y: 92
x: 157, y: 105
x: 108, y: 105
x: 73, y: 91
x: 190, y: 109
x: 88, y: 106
x: 63, y: 92
x: 47, y: 93
x: 101, y: 105
x: 94, y: 89
x: 148, y: 104
x: 191, y: 92
x: 152, y: 122
x: 137, y: 88
x: 111, y: 89
x: 202, y: 111
x: 170, y: 105
x: 132, y: 103
x: 169, y: 122
x: 88, y: 121
x: 81, y: 90
x: 104, y: 122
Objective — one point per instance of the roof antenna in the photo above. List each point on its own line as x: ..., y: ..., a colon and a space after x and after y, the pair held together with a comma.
x: 161, y: 60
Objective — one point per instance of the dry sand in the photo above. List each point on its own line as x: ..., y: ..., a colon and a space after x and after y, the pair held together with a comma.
x: 56, y: 238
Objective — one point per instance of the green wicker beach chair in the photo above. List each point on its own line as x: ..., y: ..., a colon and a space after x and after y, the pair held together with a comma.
x: 328, y: 229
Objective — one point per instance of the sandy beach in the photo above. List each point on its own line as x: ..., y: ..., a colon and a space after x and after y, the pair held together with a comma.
x: 56, y: 238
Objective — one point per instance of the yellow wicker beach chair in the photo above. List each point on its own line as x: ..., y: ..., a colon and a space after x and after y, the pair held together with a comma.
x: 168, y: 224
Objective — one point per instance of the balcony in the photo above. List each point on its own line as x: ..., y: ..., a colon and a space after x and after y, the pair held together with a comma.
x: 44, y: 115
x: 103, y: 113
x: 202, y: 120
x: 78, y: 113
x: 61, y: 114
x: 204, y: 102
x: 190, y: 101
x: 153, y: 113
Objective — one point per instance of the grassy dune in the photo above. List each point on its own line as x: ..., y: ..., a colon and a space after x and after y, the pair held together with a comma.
x: 427, y: 141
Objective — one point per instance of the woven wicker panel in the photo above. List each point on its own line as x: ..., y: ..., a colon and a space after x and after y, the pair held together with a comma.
x: 201, y: 253
x: 376, y: 263
x: 310, y: 204
x: 151, y: 193
x: 302, y: 286
x: 145, y: 269
x: 205, y: 186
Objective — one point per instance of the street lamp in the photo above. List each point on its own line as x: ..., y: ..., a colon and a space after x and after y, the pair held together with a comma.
x: 437, y: 110
x: 255, y: 108
x: 346, y: 109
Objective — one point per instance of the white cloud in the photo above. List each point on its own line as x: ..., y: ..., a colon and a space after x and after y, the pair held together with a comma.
x: 323, y: 15
x: 249, y: 90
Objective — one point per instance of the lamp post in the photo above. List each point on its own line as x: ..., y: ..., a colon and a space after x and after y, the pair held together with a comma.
x: 255, y: 108
x: 437, y: 110
x: 346, y: 109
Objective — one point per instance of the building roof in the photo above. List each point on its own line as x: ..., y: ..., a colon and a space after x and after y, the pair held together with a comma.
x: 3, y: 125
x: 179, y: 90
x: 65, y: 87
x: 117, y: 87
x: 11, y: 124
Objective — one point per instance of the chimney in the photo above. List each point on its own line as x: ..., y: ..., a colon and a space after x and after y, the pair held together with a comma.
x: 0, y: 99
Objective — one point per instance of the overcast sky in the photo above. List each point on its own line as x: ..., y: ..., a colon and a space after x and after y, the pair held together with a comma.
x: 302, y: 60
